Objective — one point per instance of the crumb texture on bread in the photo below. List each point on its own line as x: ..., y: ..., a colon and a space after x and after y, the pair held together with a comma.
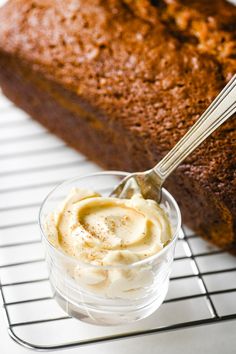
x: 122, y: 81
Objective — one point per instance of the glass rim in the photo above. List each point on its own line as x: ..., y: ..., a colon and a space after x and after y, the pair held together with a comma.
x: 120, y: 266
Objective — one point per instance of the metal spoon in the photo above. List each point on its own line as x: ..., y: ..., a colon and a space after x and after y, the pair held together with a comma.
x: 149, y: 183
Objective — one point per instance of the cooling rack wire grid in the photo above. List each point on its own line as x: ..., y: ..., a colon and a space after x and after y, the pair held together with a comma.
x: 203, y: 282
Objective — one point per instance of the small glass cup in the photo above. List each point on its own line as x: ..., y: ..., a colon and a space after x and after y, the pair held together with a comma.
x: 137, y: 289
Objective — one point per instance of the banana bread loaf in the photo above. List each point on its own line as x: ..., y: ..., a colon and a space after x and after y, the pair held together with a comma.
x: 122, y: 81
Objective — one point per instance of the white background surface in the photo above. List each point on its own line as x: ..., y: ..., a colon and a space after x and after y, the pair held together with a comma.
x: 212, y: 339
x: 217, y: 338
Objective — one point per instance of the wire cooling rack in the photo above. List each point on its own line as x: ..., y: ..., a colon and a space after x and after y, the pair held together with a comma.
x: 203, y: 283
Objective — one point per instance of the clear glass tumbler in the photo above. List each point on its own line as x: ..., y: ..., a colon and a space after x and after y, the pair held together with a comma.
x: 135, y: 291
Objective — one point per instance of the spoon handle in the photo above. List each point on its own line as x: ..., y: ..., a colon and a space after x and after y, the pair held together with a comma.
x: 217, y: 113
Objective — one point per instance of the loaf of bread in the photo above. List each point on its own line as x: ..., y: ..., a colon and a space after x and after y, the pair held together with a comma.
x: 123, y: 80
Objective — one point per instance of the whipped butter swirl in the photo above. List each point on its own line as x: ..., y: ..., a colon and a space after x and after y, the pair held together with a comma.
x: 105, y: 231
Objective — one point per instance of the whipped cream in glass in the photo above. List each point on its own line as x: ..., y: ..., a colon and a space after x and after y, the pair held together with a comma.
x: 109, y: 260
x: 105, y: 231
